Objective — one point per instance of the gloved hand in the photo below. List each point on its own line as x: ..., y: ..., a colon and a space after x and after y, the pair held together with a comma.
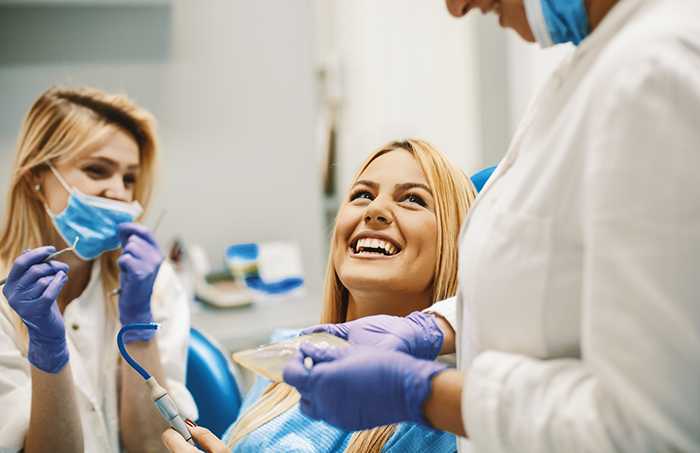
x: 139, y: 263
x: 360, y: 387
x: 31, y: 290
x: 417, y: 334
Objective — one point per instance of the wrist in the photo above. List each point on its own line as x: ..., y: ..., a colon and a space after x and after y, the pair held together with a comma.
x: 48, y: 356
x: 143, y: 316
x: 418, y: 387
x: 443, y: 407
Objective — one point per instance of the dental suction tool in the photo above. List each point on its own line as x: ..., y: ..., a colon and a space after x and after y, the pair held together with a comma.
x: 159, y: 395
x: 51, y: 257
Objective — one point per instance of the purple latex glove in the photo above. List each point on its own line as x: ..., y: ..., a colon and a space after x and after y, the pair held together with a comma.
x: 360, y: 387
x: 139, y: 263
x: 417, y: 334
x: 31, y: 290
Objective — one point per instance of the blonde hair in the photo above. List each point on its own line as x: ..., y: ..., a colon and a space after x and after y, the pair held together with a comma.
x: 62, y: 123
x: 453, y: 193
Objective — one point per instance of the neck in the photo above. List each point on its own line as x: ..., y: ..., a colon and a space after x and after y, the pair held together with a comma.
x: 370, y: 303
x: 597, y: 10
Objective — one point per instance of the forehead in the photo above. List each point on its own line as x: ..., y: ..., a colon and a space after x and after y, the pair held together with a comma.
x: 118, y: 146
x: 394, y: 167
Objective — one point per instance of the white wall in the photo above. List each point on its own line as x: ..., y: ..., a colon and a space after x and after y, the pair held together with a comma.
x: 404, y: 70
x: 232, y: 85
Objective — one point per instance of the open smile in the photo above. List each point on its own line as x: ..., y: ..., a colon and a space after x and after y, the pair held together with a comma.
x: 371, y: 247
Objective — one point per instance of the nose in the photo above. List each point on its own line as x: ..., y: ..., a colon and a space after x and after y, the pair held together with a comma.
x: 458, y: 8
x: 115, y: 189
x: 379, y: 211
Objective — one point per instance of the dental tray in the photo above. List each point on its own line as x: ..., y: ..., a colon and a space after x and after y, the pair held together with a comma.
x: 269, y: 360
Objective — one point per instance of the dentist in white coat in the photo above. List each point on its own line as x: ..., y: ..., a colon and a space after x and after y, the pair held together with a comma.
x: 578, y: 314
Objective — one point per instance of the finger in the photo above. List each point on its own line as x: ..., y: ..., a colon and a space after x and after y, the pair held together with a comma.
x: 174, y: 442
x: 333, y: 329
x: 39, y: 271
x: 52, y: 290
x: 141, y: 248
x: 323, y: 355
x: 128, y: 229
x: 28, y: 259
x: 295, y: 373
x: 126, y: 262
x: 135, y: 245
x: 208, y: 440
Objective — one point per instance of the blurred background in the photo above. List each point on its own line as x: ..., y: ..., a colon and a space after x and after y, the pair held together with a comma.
x: 267, y: 109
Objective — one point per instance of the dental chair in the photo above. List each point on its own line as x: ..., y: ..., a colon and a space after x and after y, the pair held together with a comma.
x: 214, y: 381
x: 480, y: 177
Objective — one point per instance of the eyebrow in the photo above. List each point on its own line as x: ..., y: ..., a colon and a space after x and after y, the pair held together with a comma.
x: 413, y: 185
x: 113, y: 163
x: 399, y: 187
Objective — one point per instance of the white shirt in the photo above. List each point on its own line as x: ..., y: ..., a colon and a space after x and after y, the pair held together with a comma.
x: 91, y: 333
x: 579, y: 264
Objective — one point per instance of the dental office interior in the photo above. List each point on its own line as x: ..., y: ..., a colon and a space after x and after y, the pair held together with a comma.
x: 266, y: 110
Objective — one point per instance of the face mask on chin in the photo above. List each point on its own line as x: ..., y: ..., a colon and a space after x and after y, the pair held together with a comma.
x: 557, y: 21
x: 92, y: 219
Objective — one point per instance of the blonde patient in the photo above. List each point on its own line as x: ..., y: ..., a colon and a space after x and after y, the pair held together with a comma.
x: 393, y: 252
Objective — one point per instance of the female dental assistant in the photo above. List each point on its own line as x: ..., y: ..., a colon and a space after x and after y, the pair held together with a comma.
x: 578, y: 323
x: 85, y: 164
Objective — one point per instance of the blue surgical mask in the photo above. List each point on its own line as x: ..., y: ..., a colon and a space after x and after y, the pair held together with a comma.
x: 557, y: 21
x: 92, y: 219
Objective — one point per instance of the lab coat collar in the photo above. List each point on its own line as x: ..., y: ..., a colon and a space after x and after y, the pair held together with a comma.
x: 610, y: 25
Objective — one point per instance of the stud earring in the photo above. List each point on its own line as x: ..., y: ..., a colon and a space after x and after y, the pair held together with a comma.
x: 37, y: 187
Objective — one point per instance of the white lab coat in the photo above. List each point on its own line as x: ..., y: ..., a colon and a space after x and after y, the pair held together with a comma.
x: 579, y: 265
x: 95, y: 362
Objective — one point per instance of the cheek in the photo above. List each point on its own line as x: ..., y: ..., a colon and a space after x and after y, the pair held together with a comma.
x: 56, y: 197
x: 425, y: 236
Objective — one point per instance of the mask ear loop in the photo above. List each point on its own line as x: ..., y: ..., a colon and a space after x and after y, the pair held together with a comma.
x: 60, y: 178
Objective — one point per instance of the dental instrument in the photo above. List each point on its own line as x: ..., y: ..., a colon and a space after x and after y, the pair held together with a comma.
x: 51, y: 257
x: 159, y: 395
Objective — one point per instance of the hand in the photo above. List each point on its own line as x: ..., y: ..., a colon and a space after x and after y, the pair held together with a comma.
x: 176, y: 444
x: 357, y: 388
x: 417, y: 334
x: 31, y: 290
x: 139, y: 263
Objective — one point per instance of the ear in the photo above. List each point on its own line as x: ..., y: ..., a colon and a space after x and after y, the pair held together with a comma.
x: 35, y: 178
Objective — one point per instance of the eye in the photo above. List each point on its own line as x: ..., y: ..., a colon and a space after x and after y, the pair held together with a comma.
x: 129, y: 179
x: 413, y: 198
x: 358, y: 194
x: 95, y: 171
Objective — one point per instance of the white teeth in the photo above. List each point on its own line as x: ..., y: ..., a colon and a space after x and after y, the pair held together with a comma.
x: 367, y: 243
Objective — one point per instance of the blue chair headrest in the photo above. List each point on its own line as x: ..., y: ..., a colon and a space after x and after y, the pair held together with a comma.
x: 480, y: 177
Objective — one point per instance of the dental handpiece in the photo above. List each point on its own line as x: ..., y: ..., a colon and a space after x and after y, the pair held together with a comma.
x: 51, y: 257
x: 166, y: 406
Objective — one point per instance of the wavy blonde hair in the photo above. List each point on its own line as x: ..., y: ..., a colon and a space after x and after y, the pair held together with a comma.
x: 454, y: 194
x: 62, y: 123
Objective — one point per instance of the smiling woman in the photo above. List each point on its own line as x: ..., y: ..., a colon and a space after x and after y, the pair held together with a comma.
x: 393, y: 252
x: 386, y: 239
